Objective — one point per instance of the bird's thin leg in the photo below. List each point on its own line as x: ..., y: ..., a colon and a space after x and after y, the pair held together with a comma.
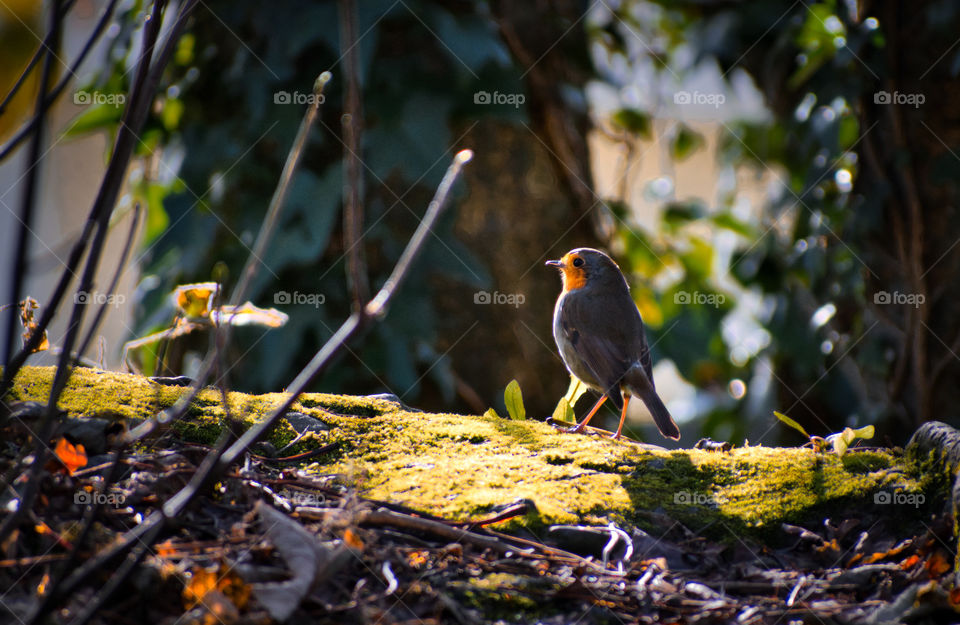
x: 590, y: 414
x: 623, y: 415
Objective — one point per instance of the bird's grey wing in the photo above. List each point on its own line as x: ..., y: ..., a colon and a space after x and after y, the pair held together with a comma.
x: 606, y: 356
x: 644, y: 350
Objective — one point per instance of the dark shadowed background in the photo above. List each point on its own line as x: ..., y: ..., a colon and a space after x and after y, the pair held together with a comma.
x: 777, y: 179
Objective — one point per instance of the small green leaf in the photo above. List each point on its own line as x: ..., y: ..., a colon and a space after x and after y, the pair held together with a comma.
x: 791, y: 423
x: 563, y: 412
x: 848, y: 131
x: 842, y: 440
x: 685, y: 142
x: 678, y: 214
x: 185, y: 48
x: 698, y: 259
x: 729, y: 222
x: 94, y: 118
x: 575, y: 390
x: 634, y: 121
x: 172, y: 111
x: 151, y: 195
x: 513, y: 398
x: 491, y: 413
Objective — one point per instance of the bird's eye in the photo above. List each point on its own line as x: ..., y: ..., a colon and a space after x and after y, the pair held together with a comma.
x: 578, y: 262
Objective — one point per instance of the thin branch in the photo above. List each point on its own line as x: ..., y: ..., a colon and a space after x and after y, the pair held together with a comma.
x: 141, y: 96
x: 25, y: 218
x: 374, y: 310
x: 124, y: 256
x: 181, y: 406
x: 280, y: 193
x: 88, y: 523
x: 120, y: 575
x: 112, y: 179
x: 353, y: 193
x: 98, y: 30
x: 43, y: 49
x: 225, y: 453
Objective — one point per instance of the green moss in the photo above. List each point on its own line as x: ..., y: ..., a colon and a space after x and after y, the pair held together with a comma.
x: 461, y: 467
x: 356, y: 406
x: 503, y: 595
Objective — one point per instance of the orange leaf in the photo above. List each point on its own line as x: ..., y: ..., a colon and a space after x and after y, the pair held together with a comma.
x: 937, y: 564
x: 880, y: 555
x: 71, y: 456
x: 42, y: 586
x: 223, y: 580
x: 909, y: 563
x: 195, y: 300
x: 201, y: 582
x: 233, y: 586
x: 165, y: 549
x: 416, y: 559
x: 352, y: 540
x: 43, y: 529
x: 955, y: 597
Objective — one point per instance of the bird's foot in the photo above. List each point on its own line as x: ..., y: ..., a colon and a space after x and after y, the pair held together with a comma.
x: 565, y: 427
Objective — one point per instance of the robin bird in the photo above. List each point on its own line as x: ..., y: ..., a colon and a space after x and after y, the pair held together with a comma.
x: 600, y: 335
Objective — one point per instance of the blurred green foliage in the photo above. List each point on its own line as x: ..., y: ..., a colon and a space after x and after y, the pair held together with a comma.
x: 802, y: 266
x: 231, y: 104
x: 811, y: 261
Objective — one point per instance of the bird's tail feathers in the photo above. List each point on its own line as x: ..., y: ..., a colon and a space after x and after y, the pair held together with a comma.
x: 639, y: 385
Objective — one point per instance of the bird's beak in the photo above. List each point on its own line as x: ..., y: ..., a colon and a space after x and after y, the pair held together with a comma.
x: 555, y: 263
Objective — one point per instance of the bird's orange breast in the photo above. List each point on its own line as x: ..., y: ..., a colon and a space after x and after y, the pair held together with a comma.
x: 573, y: 277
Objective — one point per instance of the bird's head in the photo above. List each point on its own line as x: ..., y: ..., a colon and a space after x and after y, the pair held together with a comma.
x: 586, y: 266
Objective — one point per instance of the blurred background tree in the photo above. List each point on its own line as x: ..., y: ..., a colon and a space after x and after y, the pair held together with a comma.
x: 854, y: 252
x: 803, y: 297
x: 433, y: 79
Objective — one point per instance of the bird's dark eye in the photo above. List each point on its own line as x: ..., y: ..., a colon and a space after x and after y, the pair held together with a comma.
x: 578, y: 262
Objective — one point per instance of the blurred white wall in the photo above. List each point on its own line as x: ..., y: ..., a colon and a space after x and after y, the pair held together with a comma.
x: 70, y: 173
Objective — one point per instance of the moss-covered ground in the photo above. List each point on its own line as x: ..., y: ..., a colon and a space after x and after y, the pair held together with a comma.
x: 463, y: 466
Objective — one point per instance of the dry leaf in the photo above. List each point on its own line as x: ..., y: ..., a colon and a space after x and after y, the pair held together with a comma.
x: 249, y: 315
x: 27, y: 308
x: 71, y: 456
x: 195, y: 300
x: 309, y: 561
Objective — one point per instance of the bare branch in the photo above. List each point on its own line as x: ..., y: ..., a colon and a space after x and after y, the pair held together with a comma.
x: 280, y: 193
x: 353, y: 192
